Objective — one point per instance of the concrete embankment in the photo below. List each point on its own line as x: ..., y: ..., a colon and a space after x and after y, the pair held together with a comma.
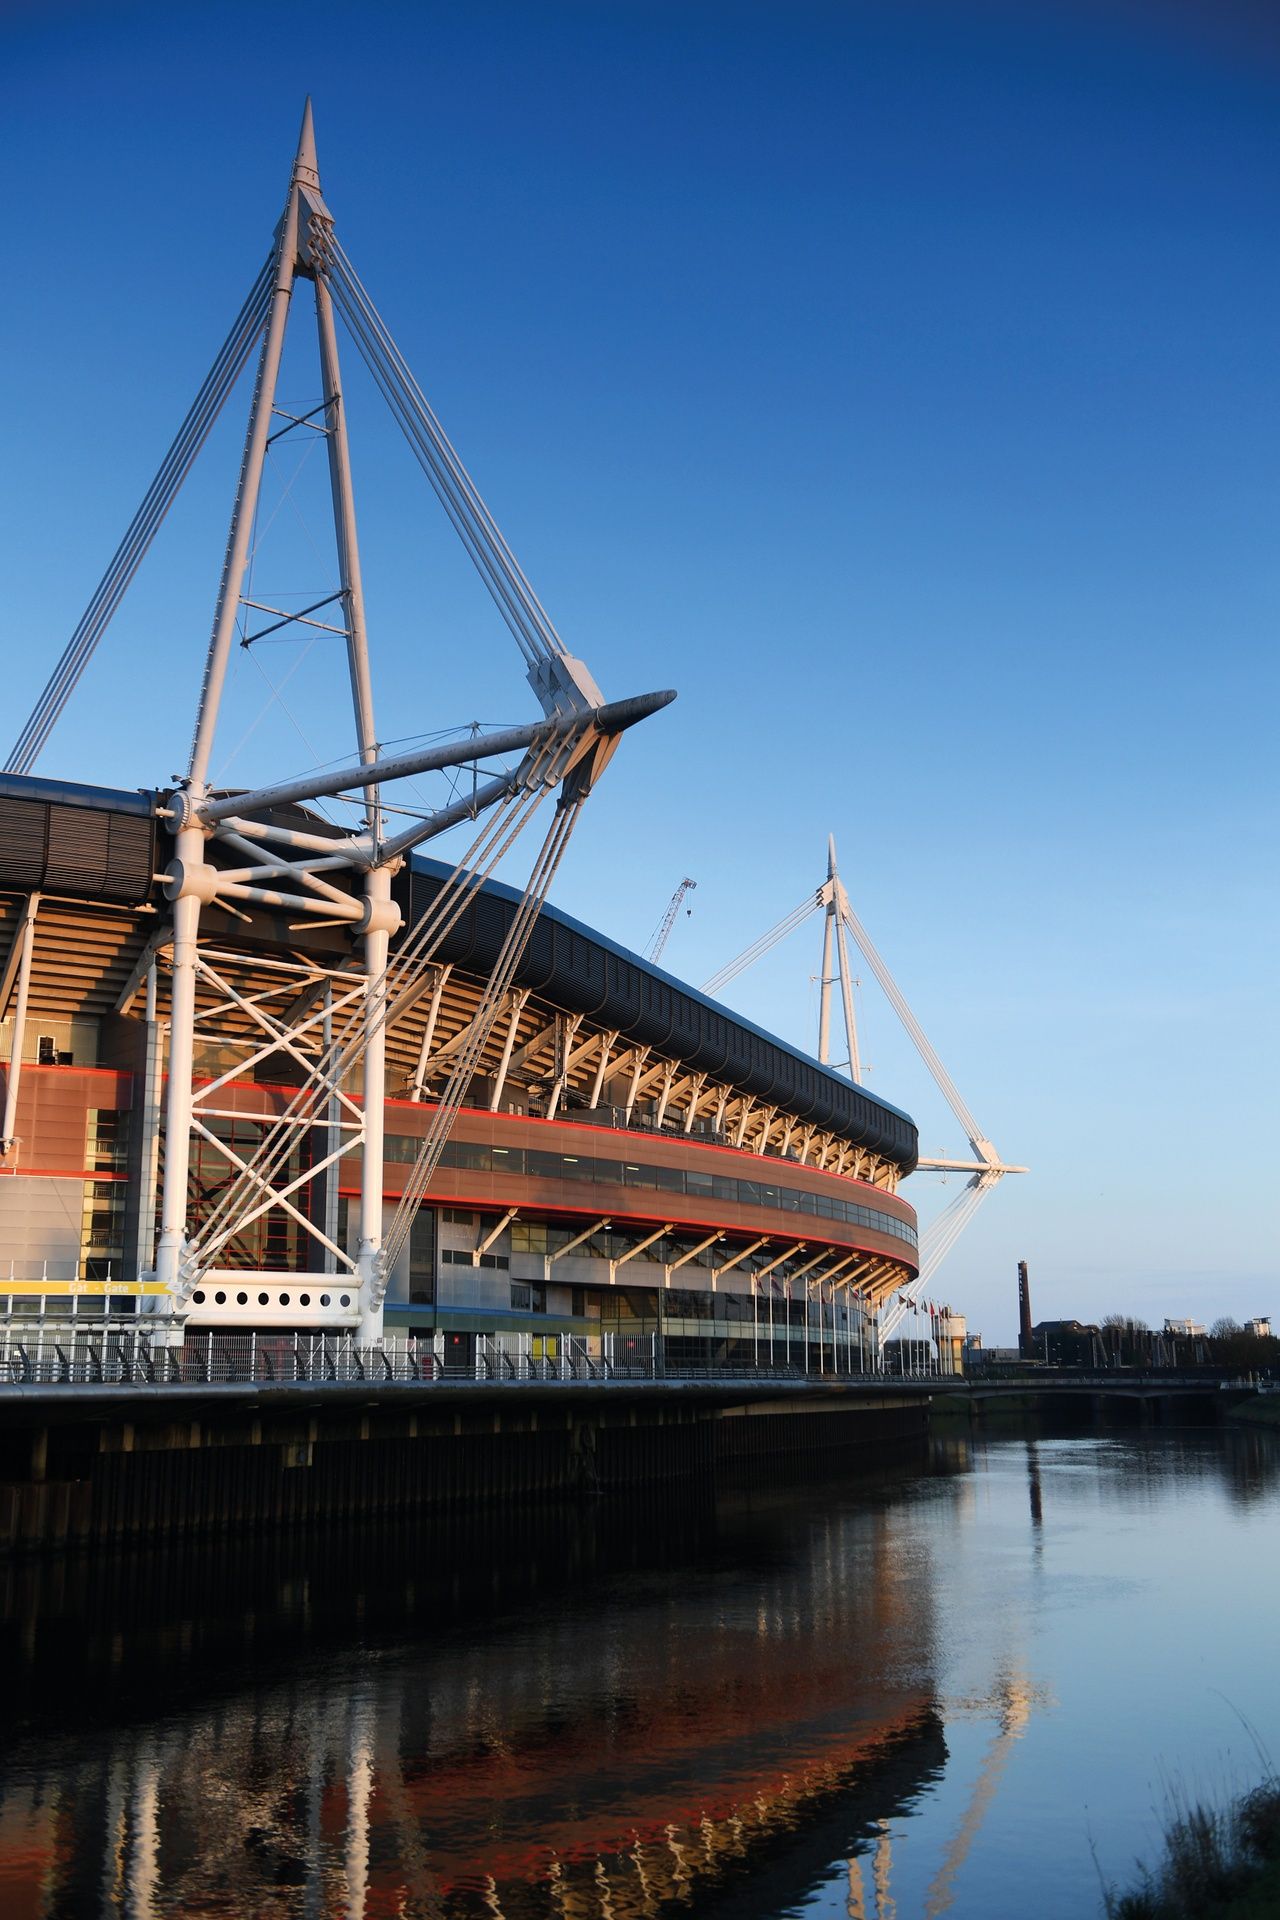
x: 95, y: 1466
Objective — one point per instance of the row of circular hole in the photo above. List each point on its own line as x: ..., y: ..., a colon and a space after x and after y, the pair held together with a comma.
x: 264, y: 1299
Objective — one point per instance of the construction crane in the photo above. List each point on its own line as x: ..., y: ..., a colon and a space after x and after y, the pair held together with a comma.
x: 986, y: 1169
x: 663, y: 932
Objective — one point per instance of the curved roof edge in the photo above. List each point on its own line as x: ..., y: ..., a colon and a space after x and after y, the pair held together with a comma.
x: 584, y: 971
x: 573, y: 965
x: 440, y: 869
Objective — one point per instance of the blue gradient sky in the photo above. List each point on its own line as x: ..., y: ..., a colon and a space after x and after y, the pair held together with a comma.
x: 899, y: 382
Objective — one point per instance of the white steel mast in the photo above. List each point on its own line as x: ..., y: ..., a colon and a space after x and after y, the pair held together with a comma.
x: 986, y: 1169
x: 339, y: 1024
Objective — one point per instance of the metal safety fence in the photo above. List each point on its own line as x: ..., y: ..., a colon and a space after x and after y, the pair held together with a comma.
x: 65, y: 1356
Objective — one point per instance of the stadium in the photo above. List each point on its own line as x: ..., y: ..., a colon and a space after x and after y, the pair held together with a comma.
x: 627, y: 1159
x: 269, y: 1068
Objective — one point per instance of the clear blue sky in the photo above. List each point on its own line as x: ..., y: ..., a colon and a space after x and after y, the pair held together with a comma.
x: 897, y: 381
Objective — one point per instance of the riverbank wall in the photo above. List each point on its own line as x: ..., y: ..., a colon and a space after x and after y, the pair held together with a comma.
x: 1076, y: 1410
x: 173, y: 1463
x: 1254, y: 1410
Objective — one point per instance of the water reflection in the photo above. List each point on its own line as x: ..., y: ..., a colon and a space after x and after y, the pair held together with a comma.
x: 577, y: 1712
x: 581, y: 1712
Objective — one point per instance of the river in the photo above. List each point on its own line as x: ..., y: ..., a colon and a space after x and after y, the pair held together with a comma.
x: 966, y: 1686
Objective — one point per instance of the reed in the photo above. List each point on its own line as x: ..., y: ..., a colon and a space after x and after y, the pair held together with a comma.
x: 1217, y: 1863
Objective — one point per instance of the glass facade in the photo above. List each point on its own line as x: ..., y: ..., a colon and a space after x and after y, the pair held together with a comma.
x: 274, y: 1242
x: 646, y: 1178
x: 102, y: 1220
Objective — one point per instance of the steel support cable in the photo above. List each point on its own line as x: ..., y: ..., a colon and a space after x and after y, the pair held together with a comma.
x: 493, y: 579
x: 448, y: 453
x: 760, y: 947
x: 957, y: 1217
x: 942, y: 1079
x: 173, y: 470
x: 941, y: 1242
x: 490, y: 554
x: 424, y: 1167
x: 544, y: 770
x: 423, y: 964
x: 941, y: 1232
x: 523, y: 631
x: 142, y: 529
x: 482, y: 1024
x: 935, y: 1245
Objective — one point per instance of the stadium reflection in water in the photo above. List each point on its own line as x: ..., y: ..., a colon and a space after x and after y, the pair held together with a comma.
x: 733, y: 1705
x: 528, y: 1717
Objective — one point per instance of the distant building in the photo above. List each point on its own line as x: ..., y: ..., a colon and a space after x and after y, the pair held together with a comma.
x: 1067, y: 1343
x: 950, y: 1337
x: 976, y: 1356
x: 1185, y: 1329
x: 1259, y: 1326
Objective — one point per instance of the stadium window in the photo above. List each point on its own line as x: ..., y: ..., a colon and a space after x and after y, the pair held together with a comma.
x: 422, y: 1257
x: 102, y: 1228
x: 106, y: 1140
x: 544, y: 1166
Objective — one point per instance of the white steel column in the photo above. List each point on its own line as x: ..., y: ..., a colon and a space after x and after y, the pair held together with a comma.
x: 332, y: 1139
x: 846, y: 994
x: 383, y: 919
x: 429, y: 1032
x: 824, y: 986
x: 26, y: 939
x: 516, y: 1002
x: 382, y: 916
x: 237, y: 555
x: 182, y: 1013
x: 597, y: 1085
x: 192, y: 879
x: 152, y: 1108
x: 344, y: 520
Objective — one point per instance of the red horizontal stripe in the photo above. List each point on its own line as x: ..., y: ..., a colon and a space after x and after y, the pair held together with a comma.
x: 61, y: 1173
x: 812, y: 1240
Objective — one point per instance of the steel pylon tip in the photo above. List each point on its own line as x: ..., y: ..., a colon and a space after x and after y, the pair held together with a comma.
x: 306, y: 170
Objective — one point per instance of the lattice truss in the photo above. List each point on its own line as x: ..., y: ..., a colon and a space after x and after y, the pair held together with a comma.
x: 263, y: 1013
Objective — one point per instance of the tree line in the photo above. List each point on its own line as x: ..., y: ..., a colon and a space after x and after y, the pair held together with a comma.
x: 1129, y: 1342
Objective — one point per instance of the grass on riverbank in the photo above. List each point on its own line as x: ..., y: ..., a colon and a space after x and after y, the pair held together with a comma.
x: 1218, y: 1864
